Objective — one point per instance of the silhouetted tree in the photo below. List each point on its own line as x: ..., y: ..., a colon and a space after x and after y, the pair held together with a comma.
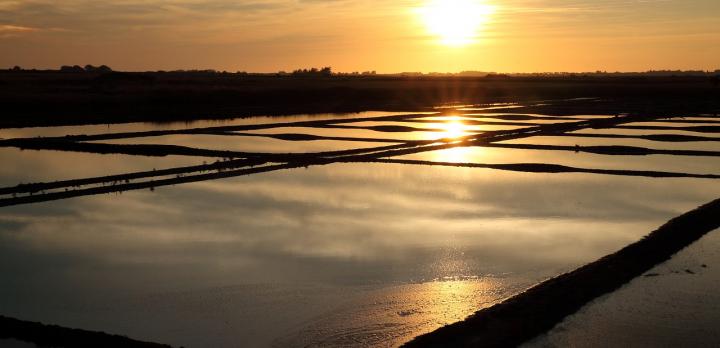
x: 98, y: 69
x: 326, y: 71
x: 104, y: 69
x: 71, y: 69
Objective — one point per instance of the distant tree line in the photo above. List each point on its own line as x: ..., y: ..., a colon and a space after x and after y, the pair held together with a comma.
x: 88, y: 68
x: 326, y: 71
x: 358, y: 73
x: 194, y: 71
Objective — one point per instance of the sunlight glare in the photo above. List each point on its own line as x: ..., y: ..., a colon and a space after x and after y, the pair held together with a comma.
x: 455, y: 22
x: 461, y: 154
x: 452, y: 128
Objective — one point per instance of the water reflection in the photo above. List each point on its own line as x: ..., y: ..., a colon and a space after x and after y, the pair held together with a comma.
x: 247, y: 144
x: 678, y: 164
x: 453, y: 129
x: 32, y: 132
x: 626, y: 131
x: 41, y: 166
x: 587, y: 141
x: 399, y: 313
x: 342, y: 254
x: 308, y: 256
x: 455, y: 155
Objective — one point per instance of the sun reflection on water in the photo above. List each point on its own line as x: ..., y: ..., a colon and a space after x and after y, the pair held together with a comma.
x: 455, y: 299
x: 461, y: 154
x: 452, y: 128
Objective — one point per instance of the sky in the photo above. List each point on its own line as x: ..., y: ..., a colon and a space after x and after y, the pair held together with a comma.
x: 360, y: 35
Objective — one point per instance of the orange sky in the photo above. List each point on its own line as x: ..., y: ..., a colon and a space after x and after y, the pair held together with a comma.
x: 351, y: 35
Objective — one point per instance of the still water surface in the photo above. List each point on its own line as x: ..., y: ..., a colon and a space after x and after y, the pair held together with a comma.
x: 335, y: 255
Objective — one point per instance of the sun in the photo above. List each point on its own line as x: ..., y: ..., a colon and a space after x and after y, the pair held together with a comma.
x: 455, y: 22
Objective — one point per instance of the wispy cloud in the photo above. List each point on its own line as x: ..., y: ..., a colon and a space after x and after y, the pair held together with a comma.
x: 8, y: 30
x: 15, y: 28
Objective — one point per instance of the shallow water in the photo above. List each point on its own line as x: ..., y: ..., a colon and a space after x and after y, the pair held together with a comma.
x: 444, y: 127
x: 350, y: 254
x: 451, y: 118
x: 41, y: 166
x: 671, y: 124
x: 485, y: 155
x: 361, y: 133
x: 643, y: 132
x: 246, y: 144
x: 674, y: 304
x: 582, y: 141
x: 32, y: 132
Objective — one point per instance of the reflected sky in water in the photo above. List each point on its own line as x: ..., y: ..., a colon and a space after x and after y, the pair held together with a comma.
x: 681, y: 164
x: 582, y: 141
x: 642, y: 131
x: 335, y: 255
x: 39, y: 166
x: 355, y: 133
x: 246, y: 144
x: 143, y: 126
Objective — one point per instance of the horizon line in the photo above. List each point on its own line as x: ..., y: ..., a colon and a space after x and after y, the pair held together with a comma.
x: 367, y: 72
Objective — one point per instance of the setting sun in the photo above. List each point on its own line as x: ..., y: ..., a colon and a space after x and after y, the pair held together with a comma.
x: 455, y: 22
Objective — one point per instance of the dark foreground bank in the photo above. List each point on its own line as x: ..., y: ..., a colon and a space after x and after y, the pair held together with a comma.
x: 56, y: 336
x: 44, y: 98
